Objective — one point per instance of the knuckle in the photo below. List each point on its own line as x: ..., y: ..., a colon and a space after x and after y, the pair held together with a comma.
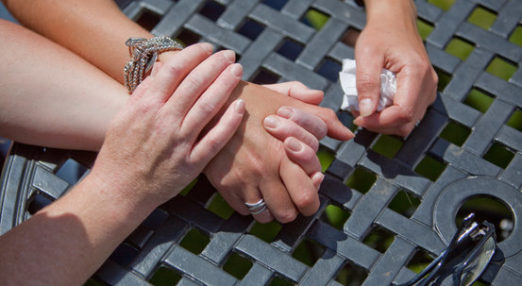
x: 263, y: 219
x: 407, y: 115
x: 421, y: 64
x: 214, y: 145
x: 255, y: 167
x: 309, y: 155
x: 297, y: 84
x: 192, y: 81
x: 206, y: 107
x: 314, y: 145
x: 329, y: 114
x: 432, y: 97
x: 242, y: 211
x: 321, y: 130
x: 366, y: 84
x: 173, y: 69
x: 405, y: 130
x: 305, y: 200
x: 286, y: 216
x: 434, y: 77
x: 144, y: 107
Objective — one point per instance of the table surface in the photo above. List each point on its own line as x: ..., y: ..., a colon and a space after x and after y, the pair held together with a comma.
x: 433, y: 169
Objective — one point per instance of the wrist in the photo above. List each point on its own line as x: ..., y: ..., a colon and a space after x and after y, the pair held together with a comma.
x: 125, y: 196
x: 386, y: 10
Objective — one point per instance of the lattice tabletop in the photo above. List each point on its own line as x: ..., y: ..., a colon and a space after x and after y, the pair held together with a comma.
x: 435, y: 171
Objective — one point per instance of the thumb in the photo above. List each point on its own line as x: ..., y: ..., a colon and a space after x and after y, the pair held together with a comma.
x: 368, y: 70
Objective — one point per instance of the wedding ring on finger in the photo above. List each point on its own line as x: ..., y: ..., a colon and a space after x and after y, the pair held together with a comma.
x: 257, y: 207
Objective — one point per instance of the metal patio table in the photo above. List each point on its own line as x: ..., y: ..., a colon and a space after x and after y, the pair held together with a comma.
x: 276, y: 43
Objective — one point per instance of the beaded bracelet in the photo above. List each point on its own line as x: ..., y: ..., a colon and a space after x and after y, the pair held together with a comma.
x: 143, y: 55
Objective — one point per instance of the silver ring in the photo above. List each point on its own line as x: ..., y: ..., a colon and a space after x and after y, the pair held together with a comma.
x: 257, y: 207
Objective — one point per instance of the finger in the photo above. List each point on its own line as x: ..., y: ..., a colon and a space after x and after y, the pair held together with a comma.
x: 277, y: 200
x: 336, y: 129
x: 299, y: 91
x: 300, y: 187
x: 388, y: 121
x: 262, y: 215
x: 197, y: 82
x: 282, y: 128
x: 302, y: 155
x: 317, y: 179
x: 211, y: 101
x: 155, y: 68
x: 401, y: 117
x: 141, y: 90
x: 218, y: 136
x: 310, y: 122
x: 248, y: 195
x: 368, y: 70
x: 411, y: 96
x: 174, y: 70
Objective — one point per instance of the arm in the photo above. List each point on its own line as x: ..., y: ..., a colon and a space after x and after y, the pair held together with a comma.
x: 82, y: 27
x: 241, y: 172
x: 64, y: 243
x: 390, y: 40
x: 37, y: 109
x: 92, y: 29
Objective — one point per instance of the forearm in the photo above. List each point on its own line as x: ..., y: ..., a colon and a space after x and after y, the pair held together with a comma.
x: 82, y: 26
x: 66, y: 242
x: 95, y: 29
x: 50, y: 96
x: 390, y: 40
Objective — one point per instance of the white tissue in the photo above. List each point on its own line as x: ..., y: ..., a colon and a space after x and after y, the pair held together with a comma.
x: 347, y: 78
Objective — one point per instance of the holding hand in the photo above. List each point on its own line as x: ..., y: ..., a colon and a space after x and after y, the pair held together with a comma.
x: 153, y: 148
x: 300, y: 131
x: 254, y: 164
x: 155, y: 142
x: 390, y: 41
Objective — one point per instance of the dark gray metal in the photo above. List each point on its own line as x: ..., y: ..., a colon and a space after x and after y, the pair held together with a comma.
x: 30, y: 181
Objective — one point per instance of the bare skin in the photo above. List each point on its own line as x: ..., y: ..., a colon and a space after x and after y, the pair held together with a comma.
x: 390, y: 40
x: 250, y: 175
x: 161, y: 153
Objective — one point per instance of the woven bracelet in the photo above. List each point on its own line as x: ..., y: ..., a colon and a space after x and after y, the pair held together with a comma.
x: 143, y: 55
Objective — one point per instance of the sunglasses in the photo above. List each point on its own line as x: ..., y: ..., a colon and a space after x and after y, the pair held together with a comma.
x: 466, y: 257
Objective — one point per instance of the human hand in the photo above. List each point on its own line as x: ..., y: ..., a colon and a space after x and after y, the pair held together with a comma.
x: 295, y: 129
x: 390, y: 40
x: 153, y: 147
x: 299, y: 131
x: 254, y: 165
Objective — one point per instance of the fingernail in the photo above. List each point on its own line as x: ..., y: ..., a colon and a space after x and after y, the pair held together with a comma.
x: 293, y: 144
x: 366, y: 107
x: 285, y: 112
x: 319, y: 177
x: 358, y: 121
x: 239, y: 106
x: 237, y: 70
x: 271, y: 121
x: 230, y: 55
x: 208, y: 47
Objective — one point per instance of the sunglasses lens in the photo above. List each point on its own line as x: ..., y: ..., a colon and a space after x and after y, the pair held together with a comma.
x: 475, y: 267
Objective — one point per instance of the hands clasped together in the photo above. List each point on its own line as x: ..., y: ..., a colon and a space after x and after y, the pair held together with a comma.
x: 166, y: 136
x: 193, y: 114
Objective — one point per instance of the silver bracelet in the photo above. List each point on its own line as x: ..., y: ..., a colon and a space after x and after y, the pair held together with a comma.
x: 143, y: 55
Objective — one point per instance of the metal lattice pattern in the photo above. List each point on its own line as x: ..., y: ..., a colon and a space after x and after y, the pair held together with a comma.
x: 275, y: 43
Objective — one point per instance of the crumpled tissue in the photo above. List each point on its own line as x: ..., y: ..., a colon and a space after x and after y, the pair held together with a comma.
x: 347, y: 78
